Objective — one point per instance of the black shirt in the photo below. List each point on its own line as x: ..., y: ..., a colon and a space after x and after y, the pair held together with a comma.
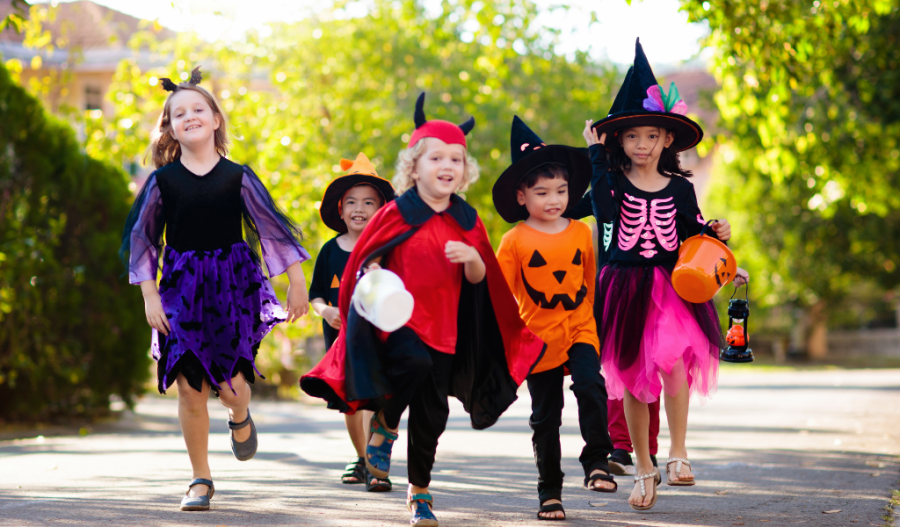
x: 326, y: 281
x: 202, y: 213
x: 648, y: 227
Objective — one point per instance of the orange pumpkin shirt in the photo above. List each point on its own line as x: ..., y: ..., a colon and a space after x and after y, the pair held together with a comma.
x: 552, y: 277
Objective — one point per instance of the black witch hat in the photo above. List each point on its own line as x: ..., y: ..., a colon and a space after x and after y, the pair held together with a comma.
x: 528, y: 153
x: 641, y: 101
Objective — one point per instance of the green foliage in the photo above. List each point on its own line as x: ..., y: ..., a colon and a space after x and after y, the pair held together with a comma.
x: 811, y: 149
x: 71, y: 331
x: 16, y: 19
x: 328, y: 87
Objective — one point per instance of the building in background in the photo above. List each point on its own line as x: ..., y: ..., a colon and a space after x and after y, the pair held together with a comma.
x: 92, y: 39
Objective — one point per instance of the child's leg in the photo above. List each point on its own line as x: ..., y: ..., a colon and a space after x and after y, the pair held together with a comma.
x: 638, y: 416
x: 590, y: 391
x: 428, y: 413
x: 357, y: 431
x: 407, y: 362
x: 654, y: 427
x: 238, y: 404
x: 193, y: 417
x: 677, y: 401
x: 618, y: 427
x: 546, y: 389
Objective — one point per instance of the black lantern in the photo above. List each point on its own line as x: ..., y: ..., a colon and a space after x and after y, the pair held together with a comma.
x: 738, y: 337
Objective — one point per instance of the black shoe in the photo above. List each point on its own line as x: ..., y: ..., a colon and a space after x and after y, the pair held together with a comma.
x: 653, y: 459
x: 620, y: 463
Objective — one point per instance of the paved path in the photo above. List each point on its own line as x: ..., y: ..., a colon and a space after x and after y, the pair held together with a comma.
x: 770, y: 449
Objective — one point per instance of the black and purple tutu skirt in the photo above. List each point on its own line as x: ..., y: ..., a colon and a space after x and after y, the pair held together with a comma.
x: 648, y: 332
x: 220, y: 306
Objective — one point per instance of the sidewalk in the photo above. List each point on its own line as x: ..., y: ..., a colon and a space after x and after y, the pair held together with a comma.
x: 777, y: 448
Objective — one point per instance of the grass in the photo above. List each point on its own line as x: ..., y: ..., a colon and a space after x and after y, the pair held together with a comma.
x: 890, y: 508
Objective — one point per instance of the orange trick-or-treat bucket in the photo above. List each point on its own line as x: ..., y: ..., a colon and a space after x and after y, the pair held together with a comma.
x: 704, y: 266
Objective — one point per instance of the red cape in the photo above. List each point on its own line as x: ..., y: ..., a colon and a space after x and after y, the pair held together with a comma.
x: 495, y: 350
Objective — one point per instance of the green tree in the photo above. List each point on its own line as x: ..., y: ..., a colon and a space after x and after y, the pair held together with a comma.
x: 811, y: 145
x: 16, y: 18
x: 71, y: 331
x: 331, y: 86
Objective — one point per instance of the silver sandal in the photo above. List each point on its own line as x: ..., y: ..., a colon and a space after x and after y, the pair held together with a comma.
x: 680, y: 482
x: 640, y: 479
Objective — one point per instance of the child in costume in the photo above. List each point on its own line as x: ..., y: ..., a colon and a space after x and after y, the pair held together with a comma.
x: 465, y: 337
x: 620, y: 462
x: 350, y: 201
x: 214, y: 304
x: 651, y: 338
x: 548, y: 261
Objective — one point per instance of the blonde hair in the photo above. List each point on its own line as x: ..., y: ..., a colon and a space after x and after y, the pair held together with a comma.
x: 406, y: 165
x: 164, y: 149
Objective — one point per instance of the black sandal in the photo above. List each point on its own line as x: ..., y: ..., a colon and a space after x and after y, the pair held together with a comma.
x: 589, y: 482
x: 354, y: 469
x: 384, y: 484
x: 553, y: 507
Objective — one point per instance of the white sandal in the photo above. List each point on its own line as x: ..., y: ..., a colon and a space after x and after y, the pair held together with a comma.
x: 640, y: 479
x: 680, y: 482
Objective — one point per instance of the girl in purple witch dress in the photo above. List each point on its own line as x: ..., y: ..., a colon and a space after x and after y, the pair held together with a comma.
x: 213, y: 304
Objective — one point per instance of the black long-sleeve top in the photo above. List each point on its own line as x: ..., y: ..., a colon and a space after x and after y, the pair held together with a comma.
x: 647, y: 227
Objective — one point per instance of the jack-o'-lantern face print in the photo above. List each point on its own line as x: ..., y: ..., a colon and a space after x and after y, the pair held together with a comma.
x: 559, y: 281
x: 723, y: 275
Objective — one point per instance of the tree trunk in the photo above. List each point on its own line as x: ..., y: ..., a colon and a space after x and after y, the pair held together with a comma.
x: 817, y: 333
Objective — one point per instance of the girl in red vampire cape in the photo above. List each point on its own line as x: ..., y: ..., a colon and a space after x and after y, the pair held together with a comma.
x: 465, y: 337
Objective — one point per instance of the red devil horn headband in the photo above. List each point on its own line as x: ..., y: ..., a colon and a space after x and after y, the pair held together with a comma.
x: 195, y: 79
x: 443, y: 130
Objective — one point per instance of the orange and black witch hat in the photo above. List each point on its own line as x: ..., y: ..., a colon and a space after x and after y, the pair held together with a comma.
x: 360, y: 171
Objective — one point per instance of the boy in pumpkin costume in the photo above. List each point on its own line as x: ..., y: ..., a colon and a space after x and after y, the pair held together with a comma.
x: 548, y: 261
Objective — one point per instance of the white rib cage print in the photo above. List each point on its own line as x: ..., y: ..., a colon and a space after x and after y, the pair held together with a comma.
x: 655, y: 223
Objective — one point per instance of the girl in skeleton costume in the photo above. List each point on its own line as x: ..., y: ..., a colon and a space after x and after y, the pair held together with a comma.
x: 650, y: 337
x: 213, y: 304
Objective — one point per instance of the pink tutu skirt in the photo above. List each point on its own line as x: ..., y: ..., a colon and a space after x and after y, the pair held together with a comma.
x: 648, y: 333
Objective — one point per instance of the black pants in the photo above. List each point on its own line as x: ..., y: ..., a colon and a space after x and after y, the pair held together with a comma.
x: 547, y: 397
x: 420, y: 378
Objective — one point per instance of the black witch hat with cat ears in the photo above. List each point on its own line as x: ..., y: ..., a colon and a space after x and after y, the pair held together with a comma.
x: 529, y: 152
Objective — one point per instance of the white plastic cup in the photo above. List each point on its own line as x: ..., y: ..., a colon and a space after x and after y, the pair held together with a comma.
x: 381, y: 298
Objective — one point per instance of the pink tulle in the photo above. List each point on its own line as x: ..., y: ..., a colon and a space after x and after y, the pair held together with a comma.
x: 671, y: 334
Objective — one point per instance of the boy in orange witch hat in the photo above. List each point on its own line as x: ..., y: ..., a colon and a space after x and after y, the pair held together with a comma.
x: 349, y: 203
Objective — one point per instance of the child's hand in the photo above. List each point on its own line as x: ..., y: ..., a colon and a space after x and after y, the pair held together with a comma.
x: 372, y: 267
x: 333, y: 316
x: 459, y: 252
x: 156, y: 316
x: 590, y: 135
x: 741, y: 277
x: 722, y: 229
x: 297, y: 301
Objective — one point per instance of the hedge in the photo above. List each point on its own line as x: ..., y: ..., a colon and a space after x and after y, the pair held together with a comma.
x: 72, y: 331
